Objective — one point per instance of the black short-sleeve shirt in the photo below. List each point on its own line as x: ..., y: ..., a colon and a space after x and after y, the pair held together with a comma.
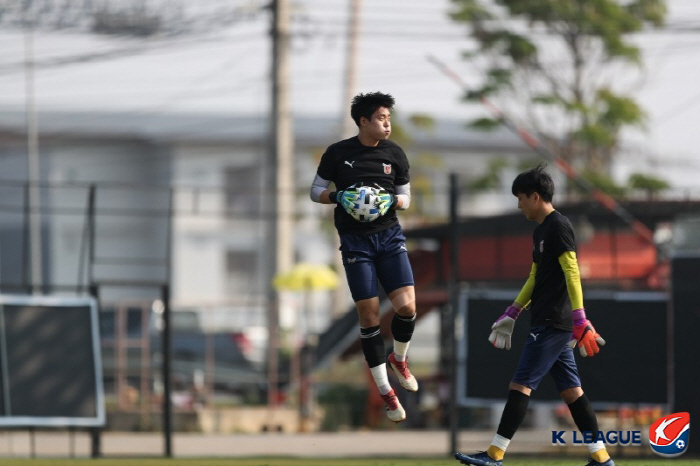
x: 348, y: 162
x: 549, y: 305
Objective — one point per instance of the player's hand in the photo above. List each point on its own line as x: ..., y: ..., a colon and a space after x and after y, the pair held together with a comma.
x: 335, y: 196
x: 585, y: 336
x: 502, y: 329
x: 386, y: 200
x: 344, y: 198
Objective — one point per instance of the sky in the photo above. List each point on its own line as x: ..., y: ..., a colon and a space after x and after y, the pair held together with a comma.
x: 224, y: 68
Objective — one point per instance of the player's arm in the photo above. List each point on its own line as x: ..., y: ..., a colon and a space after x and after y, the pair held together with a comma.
x: 525, y: 294
x: 402, y: 181
x: 321, y: 194
x: 319, y: 190
x: 585, y: 336
x: 403, y: 197
x: 502, y: 329
x: 398, y: 201
x: 569, y: 265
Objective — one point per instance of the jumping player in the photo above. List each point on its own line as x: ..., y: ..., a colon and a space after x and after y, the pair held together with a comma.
x: 548, y: 349
x: 376, y: 251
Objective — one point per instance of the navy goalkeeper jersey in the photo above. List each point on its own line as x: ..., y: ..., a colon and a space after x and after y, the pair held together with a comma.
x: 349, y: 162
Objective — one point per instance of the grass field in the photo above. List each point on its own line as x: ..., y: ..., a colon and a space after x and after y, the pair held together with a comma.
x: 522, y: 461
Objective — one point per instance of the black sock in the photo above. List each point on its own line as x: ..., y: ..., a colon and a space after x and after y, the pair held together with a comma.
x: 513, y: 414
x: 402, y: 327
x: 372, y: 345
x: 584, y: 415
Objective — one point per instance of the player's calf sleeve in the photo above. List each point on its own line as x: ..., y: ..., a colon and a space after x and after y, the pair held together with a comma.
x: 584, y: 415
x: 586, y: 421
x: 372, y: 345
x: 402, y: 331
x: 402, y: 327
x: 513, y: 414
x: 373, y: 349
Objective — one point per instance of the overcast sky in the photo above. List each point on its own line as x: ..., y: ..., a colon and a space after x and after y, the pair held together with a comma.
x: 226, y: 69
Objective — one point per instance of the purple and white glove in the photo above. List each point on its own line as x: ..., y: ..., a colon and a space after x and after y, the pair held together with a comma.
x: 584, y: 335
x: 502, y: 329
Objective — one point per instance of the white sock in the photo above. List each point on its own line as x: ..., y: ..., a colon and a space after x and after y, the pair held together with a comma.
x: 594, y: 447
x: 401, y: 350
x: 500, y: 442
x: 381, y: 378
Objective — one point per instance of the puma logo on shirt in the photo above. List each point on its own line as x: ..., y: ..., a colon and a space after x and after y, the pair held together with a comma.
x: 349, y: 163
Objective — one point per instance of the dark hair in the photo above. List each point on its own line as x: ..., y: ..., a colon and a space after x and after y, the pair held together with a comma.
x: 364, y: 105
x: 534, y: 180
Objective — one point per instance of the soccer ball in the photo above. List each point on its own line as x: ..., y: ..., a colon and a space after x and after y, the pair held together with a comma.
x: 365, y: 207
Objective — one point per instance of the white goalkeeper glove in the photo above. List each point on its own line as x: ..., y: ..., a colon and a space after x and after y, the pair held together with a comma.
x: 502, y: 329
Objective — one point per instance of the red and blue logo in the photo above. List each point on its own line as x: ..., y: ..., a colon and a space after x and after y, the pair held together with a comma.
x: 669, y: 435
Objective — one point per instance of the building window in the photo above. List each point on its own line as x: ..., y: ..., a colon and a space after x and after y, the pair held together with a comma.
x: 242, y: 269
x: 243, y: 192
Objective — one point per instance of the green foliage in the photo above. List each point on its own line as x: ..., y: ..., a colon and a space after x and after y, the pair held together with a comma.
x: 514, y: 40
x: 650, y: 184
x: 424, y: 122
x: 615, y: 110
x: 492, y: 178
x: 604, y: 182
x: 485, y: 124
x: 344, y: 407
x: 529, y: 163
x: 423, y: 165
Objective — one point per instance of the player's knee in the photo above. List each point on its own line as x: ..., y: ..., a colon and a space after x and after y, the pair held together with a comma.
x: 368, y: 312
x: 571, y: 394
x: 520, y: 388
x: 403, y: 301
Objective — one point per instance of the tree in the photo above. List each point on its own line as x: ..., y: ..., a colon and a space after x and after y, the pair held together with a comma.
x: 562, y: 63
x: 649, y: 184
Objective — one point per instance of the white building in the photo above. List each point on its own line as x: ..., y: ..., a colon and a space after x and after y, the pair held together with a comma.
x: 212, y: 167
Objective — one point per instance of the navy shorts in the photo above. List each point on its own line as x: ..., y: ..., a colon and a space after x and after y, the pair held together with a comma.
x: 546, y: 351
x: 375, y: 257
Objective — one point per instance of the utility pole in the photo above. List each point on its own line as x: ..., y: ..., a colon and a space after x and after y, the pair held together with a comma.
x: 452, y: 325
x: 351, y: 58
x: 280, y: 181
x: 35, y: 246
x: 342, y: 297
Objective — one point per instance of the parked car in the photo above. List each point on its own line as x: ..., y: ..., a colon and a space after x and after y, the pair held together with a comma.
x: 131, y: 338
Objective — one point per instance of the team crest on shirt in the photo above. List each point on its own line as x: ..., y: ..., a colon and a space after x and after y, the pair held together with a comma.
x: 542, y: 246
x: 387, y: 168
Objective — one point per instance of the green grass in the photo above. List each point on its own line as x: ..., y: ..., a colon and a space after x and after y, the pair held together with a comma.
x: 514, y: 461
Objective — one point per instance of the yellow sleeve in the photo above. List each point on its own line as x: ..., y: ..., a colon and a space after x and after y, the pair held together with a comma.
x: 569, y: 265
x: 526, y: 293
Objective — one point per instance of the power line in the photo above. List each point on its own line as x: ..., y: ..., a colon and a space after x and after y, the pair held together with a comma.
x: 121, y: 52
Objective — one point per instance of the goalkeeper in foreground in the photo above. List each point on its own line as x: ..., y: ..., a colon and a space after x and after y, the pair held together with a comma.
x: 549, y: 348
x: 376, y: 250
